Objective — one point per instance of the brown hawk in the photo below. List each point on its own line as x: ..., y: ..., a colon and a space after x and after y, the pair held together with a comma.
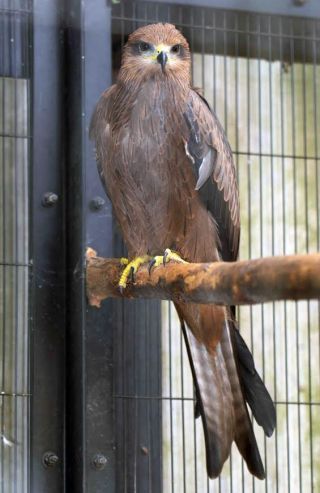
x: 168, y: 169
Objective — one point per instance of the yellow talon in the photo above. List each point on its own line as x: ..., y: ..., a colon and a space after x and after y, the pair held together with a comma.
x: 130, y: 269
x: 163, y: 259
x: 170, y: 255
x: 132, y: 266
x: 156, y: 261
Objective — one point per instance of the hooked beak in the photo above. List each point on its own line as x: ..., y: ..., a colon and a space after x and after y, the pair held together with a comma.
x: 162, y: 58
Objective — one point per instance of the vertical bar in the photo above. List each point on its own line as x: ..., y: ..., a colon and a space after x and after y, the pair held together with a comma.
x: 192, y: 40
x: 90, y: 406
x: 4, y: 259
x: 284, y: 250
x: 17, y: 259
x: 48, y: 282
x: 214, y: 34
x: 249, y: 176
x: 261, y: 193
x: 316, y: 132
x: 305, y: 152
x: 317, y: 147
x: 272, y: 222
x: 226, y: 131
x: 225, y: 74
x: 171, y: 410
x: 292, y: 56
x: 195, y: 448
x: 202, y: 53
x: 183, y: 414
x: 27, y: 175
x: 237, y: 149
x: 135, y: 24
x: 315, y: 125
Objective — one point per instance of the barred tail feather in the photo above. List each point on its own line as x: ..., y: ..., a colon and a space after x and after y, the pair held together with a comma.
x: 221, y: 403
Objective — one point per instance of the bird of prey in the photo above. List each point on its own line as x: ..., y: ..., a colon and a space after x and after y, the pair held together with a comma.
x: 168, y: 170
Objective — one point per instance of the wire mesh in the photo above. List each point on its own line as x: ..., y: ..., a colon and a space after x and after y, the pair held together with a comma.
x: 14, y: 244
x: 260, y: 73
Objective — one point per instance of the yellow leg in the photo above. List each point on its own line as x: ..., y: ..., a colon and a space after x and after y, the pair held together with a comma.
x: 155, y: 262
x: 170, y: 255
x: 165, y: 258
x: 130, y: 269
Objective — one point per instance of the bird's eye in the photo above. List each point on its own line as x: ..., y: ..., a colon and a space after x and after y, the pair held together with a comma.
x: 143, y: 47
x: 175, y: 49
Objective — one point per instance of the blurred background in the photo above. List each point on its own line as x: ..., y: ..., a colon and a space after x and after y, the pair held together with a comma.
x: 102, y: 400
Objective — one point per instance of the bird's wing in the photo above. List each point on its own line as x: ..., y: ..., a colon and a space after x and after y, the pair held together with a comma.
x: 217, y: 185
x: 211, y: 156
x: 99, y: 130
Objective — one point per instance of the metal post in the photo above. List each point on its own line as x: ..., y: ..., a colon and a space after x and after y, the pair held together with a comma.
x: 90, y: 415
x: 48, y: 254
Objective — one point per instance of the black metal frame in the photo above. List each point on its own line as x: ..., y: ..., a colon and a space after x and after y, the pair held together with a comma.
x: 90, y: 412
x: 299, y: 8
x: 48, y: 252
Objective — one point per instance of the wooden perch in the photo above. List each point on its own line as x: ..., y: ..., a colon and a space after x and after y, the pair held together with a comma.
x: 246, y: 282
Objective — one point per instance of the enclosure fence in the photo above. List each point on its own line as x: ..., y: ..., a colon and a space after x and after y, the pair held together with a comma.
x: 15, y: 266
x: 113, y: 385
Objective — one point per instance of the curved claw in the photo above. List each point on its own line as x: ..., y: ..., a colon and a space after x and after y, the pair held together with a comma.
x: 132, y: 274
x: 128, y: 273
x: 151, y: 264
x: 165, y: 255
x: 155, y: 262
x: 164, y: 259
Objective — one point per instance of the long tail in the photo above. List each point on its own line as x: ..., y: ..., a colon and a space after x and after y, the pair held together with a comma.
x: 221, y: 399
x: 254, y: 390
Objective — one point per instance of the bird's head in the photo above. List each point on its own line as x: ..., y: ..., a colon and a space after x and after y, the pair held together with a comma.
x: 158, y: 50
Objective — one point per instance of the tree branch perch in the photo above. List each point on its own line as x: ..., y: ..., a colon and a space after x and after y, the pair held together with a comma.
x: 246, y: 282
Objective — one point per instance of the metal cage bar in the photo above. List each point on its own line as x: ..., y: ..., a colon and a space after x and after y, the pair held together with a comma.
x: 48, y: 287
x: 90, y: 408
x: 15, y: 265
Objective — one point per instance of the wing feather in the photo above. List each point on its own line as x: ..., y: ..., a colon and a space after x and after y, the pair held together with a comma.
x: 99, y: 130
x: 217, y: 185
x: 215, y: 171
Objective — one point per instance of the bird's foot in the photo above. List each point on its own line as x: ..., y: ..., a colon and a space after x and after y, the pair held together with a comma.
x: 165, y: 258
x: 130, y: 270
x: 171, y: 255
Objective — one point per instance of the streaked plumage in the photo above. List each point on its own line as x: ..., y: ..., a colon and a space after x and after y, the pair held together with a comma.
x: 168, y: 170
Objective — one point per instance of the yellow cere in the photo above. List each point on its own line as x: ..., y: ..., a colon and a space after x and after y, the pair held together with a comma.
x: 158, y: 49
